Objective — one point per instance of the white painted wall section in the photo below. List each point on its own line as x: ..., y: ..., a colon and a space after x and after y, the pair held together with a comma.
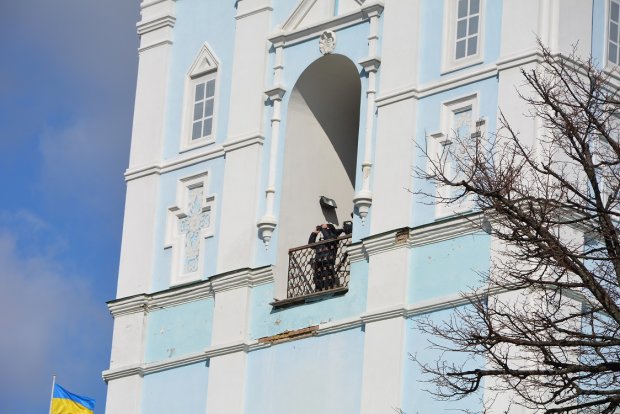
x: 128, y: 340
x: 124, y: 395
x: 392, y: 167
x: 137, y: 248
x: 383, y: 366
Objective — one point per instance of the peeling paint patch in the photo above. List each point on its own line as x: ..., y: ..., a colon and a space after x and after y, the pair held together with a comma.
x: 290, y: 335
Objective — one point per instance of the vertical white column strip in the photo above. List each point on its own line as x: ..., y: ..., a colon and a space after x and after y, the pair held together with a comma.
x: 363, y: 198
x: 268, y: 222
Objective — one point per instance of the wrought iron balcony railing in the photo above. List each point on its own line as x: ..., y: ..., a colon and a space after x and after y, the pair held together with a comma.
x: 318, y: 268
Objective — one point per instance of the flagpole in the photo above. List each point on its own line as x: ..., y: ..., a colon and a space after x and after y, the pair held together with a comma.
x: 52, y: 396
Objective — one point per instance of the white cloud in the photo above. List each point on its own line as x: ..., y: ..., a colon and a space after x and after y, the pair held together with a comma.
x: 50, y: 322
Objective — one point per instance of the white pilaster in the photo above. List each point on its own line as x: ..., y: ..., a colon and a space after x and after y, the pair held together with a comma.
x: 383, y: 366
x: 244, y: 144
x: 125, y: 392
x: 384, y: 338
x: 156, y: 32
x: 136, y: 260
x: 124, y: 395
x: 226, y: 393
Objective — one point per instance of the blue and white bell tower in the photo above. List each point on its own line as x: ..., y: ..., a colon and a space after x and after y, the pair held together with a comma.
x: 246, y: 113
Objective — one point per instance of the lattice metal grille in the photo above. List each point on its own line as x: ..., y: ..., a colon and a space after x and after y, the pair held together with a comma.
x: 318, y: 267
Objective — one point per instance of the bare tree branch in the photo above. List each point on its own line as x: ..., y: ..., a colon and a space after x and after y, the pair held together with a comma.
x: 553, y: 339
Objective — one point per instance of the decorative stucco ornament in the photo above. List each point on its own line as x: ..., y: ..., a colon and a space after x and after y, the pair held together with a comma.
x: 327, y: 42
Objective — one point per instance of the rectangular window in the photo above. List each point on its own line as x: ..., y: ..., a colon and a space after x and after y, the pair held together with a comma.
x: 204, y: 97
x: 467, y: 25
x: 463, y: 34
x: 613, y: 43
x: 458, y: 127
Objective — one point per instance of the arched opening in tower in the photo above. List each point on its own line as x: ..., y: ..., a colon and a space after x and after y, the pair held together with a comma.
x: 320, y: 151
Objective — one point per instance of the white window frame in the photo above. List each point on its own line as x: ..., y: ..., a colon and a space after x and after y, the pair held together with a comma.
x: 445, y: 136
x: 609, y: 63
x: 449, y: 61
x: 204, y: 68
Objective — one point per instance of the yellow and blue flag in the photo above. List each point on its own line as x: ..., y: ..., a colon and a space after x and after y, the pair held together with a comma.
x: 64, y: 402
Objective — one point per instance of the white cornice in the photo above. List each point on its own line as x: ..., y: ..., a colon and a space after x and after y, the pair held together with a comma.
x: 288, y: 38
x: 383, y: 242
x: 122, y: 372
x: 154, y: 45
x: 253, y: 12
x: 431, y: 88
x: 451, y: 228
x: 185, y: 160
x: 191, y: 292
x: 298, y: 15
x: 160, y: 22
x: 470, y: 76
x: 241, y: 278
x: 236, y: 143
x: 194, y: 157
x: 376, y: 244
x: 357, y: 252
x: 173, y: 363
x: 383, y: 314
x: 149, y: 3
x: 406, y: 237
x: 339, y: 326
x: 254, y: 345
x: 127, y: 306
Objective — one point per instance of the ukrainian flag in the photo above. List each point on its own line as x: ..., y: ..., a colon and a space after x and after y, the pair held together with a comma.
x: 64, y: 402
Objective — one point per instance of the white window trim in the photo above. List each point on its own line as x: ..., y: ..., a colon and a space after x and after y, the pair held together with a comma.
x: 448, y: 62
x: 444, y: 137
x: 175, y: 241
x: 608, y: 65
x: 205, y: 67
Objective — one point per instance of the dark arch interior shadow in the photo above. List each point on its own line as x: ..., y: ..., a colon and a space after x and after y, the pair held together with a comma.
x: 331, y: 88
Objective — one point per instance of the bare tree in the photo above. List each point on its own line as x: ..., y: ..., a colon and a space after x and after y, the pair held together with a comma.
x: 545, y: 327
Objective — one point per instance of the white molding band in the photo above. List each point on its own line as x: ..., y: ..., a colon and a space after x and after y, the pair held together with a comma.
x: 469, y: 76
x: 191, y: 292
x: 290, y: 35
x: 191, y: 158
x: 149, y: 3
x: 151, y: 25
x: 254, y: 345
x: 395, y: 239
x: 154, y: 45
x: 249, y: 13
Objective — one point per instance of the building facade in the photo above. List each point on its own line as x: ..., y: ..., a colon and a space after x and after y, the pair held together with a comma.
x: 247, y: 113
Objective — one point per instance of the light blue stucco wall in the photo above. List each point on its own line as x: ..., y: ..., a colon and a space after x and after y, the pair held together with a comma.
x: 197, y: 22
x: 166, y: 199
x: 266, y: 321
x: 416, y: 399
x: 179, y: 390
x: 315, y: 375
x: 448, y: 267
x: 179, y: 330
x: 432, y: 42
x: 429, y: 121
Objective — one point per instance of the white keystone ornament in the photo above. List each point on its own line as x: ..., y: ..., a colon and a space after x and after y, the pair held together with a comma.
x: 327, y: 42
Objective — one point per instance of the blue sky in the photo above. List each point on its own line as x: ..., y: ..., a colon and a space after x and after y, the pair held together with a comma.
x: 67, y: 80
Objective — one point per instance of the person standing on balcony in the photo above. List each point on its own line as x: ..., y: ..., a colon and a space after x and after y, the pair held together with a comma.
x: 325, y: 256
